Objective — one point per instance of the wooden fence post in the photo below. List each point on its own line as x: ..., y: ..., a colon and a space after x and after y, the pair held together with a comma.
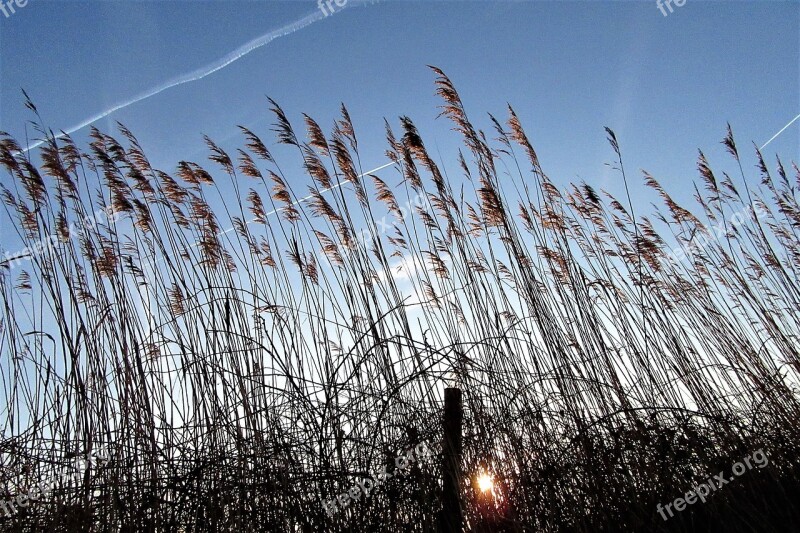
x: 451, y: 518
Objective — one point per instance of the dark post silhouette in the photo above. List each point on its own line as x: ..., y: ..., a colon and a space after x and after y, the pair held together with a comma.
x: 450, y: 519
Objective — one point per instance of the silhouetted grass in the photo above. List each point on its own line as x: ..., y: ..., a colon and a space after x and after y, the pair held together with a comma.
x: 238, y: 378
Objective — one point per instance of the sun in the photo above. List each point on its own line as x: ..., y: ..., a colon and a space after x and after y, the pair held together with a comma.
x: 485, y: 482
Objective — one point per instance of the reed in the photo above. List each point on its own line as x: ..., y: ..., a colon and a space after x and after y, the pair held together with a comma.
x: 239, y: 378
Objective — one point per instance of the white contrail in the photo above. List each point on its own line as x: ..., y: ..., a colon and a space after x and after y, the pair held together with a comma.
x: 782, y: 130
x: 202, y: 72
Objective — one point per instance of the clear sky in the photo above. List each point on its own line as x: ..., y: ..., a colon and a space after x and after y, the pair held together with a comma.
x: 666, y: 84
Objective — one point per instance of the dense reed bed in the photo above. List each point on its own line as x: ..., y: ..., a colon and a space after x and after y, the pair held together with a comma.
x: 236, y: 379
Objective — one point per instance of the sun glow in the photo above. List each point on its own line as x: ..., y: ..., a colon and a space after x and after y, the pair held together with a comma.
x: 485, y: 482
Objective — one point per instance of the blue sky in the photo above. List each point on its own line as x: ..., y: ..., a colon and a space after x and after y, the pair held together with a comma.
x: 666, y: 85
